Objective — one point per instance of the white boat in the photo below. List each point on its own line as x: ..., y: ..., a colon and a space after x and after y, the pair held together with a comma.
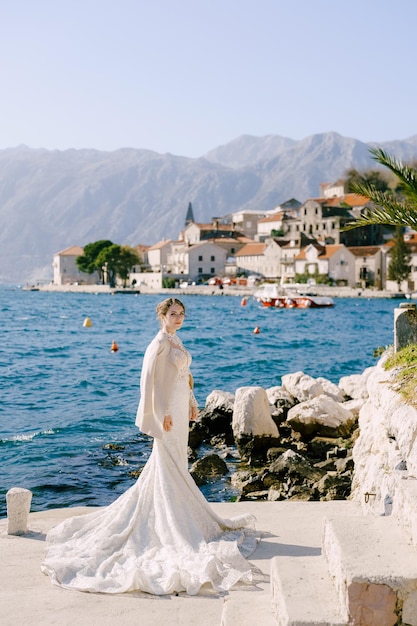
x: 278, y: 297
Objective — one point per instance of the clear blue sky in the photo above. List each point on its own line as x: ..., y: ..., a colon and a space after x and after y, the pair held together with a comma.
x: 185, y: 76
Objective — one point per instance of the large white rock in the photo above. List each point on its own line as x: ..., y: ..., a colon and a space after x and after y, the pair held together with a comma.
x: 280, y: 396
x: 252, y: 414
x: 356, y: 385
x: 331, y: 390
x: 354, y: 406
x: 321, y: 415
x: 220, y: 400
x: 302, y: 386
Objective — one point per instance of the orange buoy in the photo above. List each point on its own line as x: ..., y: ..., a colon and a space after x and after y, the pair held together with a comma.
x: 114, y: 347
x: 256, y: 330
x: 87, y: 322
x: 243, y: 302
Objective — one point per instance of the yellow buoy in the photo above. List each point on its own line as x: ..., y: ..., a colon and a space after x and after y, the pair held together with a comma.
x: 87, y: 322
x: 114, y: 347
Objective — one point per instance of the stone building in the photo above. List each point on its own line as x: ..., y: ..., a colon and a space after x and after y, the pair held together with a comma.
x: 335, y: 261
x: 323, y: 218
x: 369, y: 266
x: 66, y: 271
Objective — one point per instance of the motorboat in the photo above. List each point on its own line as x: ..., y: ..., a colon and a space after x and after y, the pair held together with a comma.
x: 275, y: 296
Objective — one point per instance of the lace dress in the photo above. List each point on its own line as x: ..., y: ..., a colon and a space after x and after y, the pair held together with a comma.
x: 161, y: 536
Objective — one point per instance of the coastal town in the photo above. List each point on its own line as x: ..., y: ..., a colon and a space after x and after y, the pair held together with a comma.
x: 292, y: 243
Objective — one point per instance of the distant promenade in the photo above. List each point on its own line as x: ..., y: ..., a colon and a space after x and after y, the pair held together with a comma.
x: 213, y: 290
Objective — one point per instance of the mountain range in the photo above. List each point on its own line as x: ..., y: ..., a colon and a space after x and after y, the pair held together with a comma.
x: 51, y: 199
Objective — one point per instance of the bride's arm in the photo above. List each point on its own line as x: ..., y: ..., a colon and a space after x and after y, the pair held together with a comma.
x: 193, y: 401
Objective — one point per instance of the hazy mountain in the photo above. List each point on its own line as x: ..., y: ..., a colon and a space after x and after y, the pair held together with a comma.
x: 247, y: 150
x: 50, y: 200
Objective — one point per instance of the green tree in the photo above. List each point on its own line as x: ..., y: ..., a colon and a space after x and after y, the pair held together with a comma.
x: 128, y: 258
x: 108, y: 259
x: 369, y: 177
x: 88, y: 261
x: 399, y: 267
x: 388, y: 208
x: 117, y: 261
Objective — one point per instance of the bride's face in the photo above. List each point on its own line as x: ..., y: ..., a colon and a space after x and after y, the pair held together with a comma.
x: 174, y: 318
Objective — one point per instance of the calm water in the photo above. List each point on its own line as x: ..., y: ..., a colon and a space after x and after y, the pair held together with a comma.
x: 64, y: 396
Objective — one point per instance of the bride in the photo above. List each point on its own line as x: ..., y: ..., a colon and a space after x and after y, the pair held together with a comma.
x: 161, y: 536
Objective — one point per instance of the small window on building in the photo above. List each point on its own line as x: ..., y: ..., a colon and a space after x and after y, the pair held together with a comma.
x: 212, y: 270
x: 232, y: 250
x: 212, y: 258
x: 200, y: 270
x: 200, y: 258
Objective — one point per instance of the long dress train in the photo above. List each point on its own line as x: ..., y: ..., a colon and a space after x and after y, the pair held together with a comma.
x: 161, y: 536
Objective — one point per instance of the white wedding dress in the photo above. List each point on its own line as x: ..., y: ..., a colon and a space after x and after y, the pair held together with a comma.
x: 161, y: 536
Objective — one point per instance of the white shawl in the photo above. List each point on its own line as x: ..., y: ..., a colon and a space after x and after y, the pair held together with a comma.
x: 157, y: 377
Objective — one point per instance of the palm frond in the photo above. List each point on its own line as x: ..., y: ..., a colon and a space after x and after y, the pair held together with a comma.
x: 387, y: 209
x: 406, y: 174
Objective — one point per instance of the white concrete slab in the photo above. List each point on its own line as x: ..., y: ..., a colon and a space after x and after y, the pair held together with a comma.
x: 289, y: 530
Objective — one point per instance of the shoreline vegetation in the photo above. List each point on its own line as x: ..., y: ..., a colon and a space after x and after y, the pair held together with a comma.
x: 212, y: 290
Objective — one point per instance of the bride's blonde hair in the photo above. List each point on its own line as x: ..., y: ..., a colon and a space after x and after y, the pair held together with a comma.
x: 162, y: 307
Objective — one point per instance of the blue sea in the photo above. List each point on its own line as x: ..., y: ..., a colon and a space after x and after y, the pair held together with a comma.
x: 68, y: 404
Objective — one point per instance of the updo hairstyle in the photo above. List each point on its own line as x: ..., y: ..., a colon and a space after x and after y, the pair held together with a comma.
x: 162, y: 307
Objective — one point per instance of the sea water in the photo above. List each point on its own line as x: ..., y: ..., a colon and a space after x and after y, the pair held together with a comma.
x: 68, y: 403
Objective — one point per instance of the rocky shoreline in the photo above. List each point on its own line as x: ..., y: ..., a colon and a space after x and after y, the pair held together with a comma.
x: 294, y: 441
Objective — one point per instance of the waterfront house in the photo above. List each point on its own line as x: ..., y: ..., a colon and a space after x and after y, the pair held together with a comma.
x: 323, y: 218
x: 273, y: 258
x: 270, y: 226
x: 157, y: 255
x: 66, y: 271
x: 198, y: 261
x: 335, y: 261
x: 195, y: 232
x: 369, y: 266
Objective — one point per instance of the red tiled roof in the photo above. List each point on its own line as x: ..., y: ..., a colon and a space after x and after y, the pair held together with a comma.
x: 160, y: 244
x: 364, y: 250
x: 276, y: 217
x: 328, y: 252
x: 71, y: 251
x: 214, y: 226
x: 351, y: 199
x: 252, y: 249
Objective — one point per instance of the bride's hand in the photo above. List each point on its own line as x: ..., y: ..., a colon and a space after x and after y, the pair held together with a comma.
x: 194, y: 412
x: 167, y: 425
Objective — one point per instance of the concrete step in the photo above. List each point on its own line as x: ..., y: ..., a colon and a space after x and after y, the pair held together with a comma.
x: 374, y: 567
x: 303, y: 593
x: 249, y: 608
